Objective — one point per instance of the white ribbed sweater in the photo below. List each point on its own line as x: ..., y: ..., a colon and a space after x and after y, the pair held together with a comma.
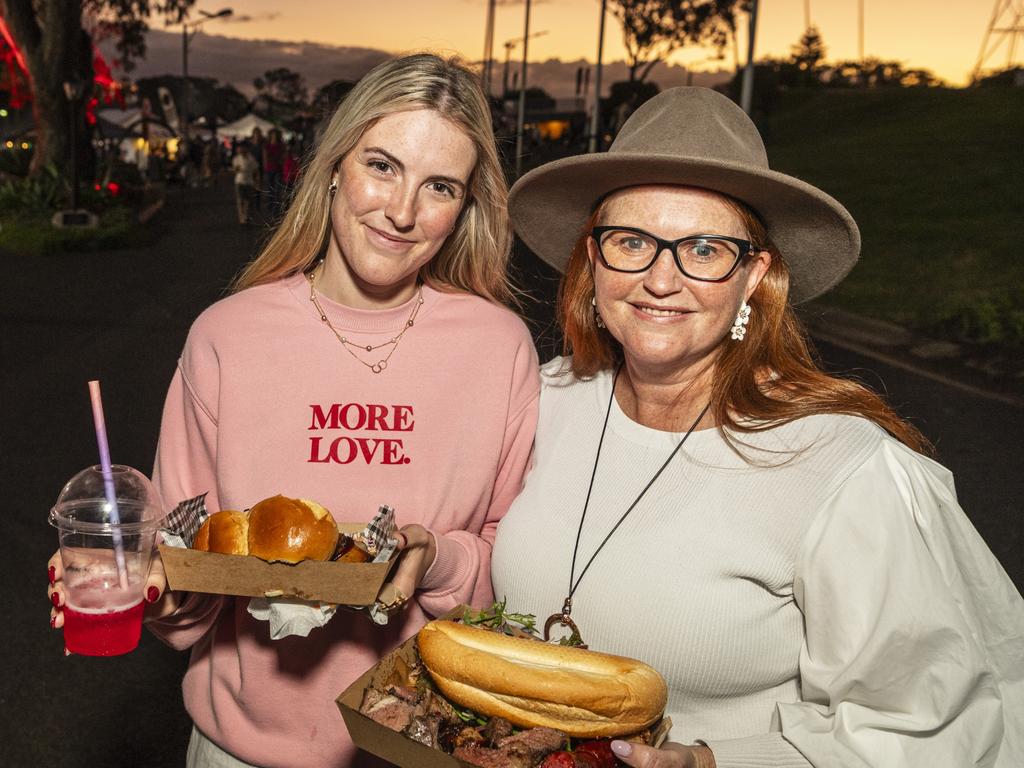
x: 836, y: 608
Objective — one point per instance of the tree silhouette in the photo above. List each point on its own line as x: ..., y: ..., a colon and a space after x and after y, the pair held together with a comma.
x: 653, y: 29
x: 329, y: 96
x: 808, y: 55
x: 878, y: 73
x: 282, y: 85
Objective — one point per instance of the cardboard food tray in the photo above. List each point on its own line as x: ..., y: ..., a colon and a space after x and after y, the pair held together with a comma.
x: 395, y: 747
x: 331, y: 582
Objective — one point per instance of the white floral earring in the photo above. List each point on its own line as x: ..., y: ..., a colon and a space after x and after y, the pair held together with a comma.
x: 597, y: 315
x: 739, y: 328
x: 332, y: 187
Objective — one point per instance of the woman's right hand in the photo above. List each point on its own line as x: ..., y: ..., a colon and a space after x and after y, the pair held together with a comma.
x: 159, y: 601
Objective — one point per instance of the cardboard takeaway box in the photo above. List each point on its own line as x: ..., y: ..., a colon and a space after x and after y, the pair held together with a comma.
x: 329, y: 582
x: 395, y: 747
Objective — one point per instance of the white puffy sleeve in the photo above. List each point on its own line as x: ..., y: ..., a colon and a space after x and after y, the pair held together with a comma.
x: 914, y: 635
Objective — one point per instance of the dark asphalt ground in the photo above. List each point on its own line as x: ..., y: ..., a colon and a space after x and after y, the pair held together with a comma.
x: 122, y: 317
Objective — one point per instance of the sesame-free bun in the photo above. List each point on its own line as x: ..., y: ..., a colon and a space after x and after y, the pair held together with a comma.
x: 291, y: 530
x: 583, y: 693
x: 226, y: 532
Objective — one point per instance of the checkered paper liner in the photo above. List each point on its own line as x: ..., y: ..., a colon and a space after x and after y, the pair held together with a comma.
x: 187, y: 518
x: 379, y: 535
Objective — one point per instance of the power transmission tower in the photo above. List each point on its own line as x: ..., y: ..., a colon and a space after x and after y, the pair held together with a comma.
x: 1006, y: 26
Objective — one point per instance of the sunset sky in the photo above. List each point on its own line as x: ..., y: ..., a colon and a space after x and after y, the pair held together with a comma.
x: 942, y: 36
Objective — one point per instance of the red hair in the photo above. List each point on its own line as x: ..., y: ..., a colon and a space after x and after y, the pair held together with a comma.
x: 772, y: 377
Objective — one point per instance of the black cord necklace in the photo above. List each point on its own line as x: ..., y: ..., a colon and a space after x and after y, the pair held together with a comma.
x: 564, y: 618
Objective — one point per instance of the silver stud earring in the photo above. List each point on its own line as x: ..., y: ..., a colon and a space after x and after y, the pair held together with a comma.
x: 332, y: 187
x: 739, y: 328
x: 597, y: 315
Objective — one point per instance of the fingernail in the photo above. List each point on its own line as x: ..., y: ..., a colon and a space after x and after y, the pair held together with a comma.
x: 622, y: 748
x: 53, y: 574
x: 53, y: 622
x: 152, y: 595
x: 55, y: 599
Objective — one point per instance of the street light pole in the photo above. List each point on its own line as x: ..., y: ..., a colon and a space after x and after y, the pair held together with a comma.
x: 522, y: 95
x: 186, y: 85
x: 488, y: 47
x: 595, y: 118
x: 183, y: 118
x: 747, y: 93
x: 509, y: 45
x: 860, y: 29
x: 73, y: 91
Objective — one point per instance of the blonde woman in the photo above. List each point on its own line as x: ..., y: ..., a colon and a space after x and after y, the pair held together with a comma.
x: 365, y: 357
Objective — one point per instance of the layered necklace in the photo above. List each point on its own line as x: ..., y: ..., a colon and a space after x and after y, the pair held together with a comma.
x: 564, y: 617
x: 350, y: 346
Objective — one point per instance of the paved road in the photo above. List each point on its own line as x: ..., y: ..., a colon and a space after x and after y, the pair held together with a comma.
x: 122, y: 317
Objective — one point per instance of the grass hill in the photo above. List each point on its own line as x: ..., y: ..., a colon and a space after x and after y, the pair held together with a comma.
x: 935, y: 180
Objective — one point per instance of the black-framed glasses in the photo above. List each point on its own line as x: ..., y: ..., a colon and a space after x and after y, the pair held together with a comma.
x: 711, y: 258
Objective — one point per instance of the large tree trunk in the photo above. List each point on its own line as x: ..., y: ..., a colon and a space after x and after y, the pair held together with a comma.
x: 57, y: 50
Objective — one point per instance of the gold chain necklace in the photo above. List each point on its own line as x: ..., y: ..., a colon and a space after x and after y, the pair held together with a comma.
x: 350, y: 346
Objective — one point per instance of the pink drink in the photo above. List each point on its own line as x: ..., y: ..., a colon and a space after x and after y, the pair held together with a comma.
x: 98, y: 623
x: 106, y: 519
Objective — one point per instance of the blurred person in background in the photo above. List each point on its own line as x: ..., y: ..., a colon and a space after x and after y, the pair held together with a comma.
x: 273, y: 172
x: 246, y: 171
x: 290, y: 168
x: 705, y: 498
x: 256, y: 142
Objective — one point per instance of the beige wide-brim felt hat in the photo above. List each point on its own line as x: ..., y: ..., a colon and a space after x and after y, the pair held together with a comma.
x: 693, y: 137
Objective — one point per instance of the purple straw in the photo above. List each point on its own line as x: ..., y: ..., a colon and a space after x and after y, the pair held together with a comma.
x: 108, y: 481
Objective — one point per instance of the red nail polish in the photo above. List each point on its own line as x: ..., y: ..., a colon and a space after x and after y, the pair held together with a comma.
x: 152, y: 595
x: 53, y: 622
x: 55, y: 599
x: 53, y: 574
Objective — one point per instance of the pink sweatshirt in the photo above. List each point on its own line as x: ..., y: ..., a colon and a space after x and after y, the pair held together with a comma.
x: 266, y: 400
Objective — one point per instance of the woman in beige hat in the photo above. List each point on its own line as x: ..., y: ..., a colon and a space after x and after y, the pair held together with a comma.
x: 705, y: 498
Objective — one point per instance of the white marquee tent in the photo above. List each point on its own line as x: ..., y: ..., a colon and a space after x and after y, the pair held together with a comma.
x: 243, y: 128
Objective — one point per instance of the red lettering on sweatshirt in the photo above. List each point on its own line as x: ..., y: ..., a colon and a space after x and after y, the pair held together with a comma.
x: 356, y: 417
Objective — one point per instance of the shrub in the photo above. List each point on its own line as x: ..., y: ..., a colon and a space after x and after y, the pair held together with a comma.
x: 997, y: 318
x: 43, y: 192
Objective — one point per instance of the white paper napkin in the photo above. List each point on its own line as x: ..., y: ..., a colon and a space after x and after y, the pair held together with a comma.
x: 290, y: 616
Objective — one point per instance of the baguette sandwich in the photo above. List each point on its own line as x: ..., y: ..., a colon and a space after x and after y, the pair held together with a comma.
x: 582, y: 693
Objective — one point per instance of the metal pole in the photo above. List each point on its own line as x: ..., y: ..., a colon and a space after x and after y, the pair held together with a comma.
x: 522, y: 94
x: 747, y: 94
x: 489, y: 47
x: 73, y: 112
x: 504, y: 73
x: 595, y: 117
x: 807, y: 15
x: 183, y: 120
x: 860, y: 29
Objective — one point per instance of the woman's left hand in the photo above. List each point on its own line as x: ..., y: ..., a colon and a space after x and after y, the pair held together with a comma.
x: 417, y: 549
x: 671, y: 755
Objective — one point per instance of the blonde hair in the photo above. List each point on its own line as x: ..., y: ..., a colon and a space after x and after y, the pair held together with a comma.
x: 771, y: 377
x: 474, y: 257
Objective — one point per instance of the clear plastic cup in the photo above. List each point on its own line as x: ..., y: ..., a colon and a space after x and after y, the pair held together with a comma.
x: 102, y: 610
